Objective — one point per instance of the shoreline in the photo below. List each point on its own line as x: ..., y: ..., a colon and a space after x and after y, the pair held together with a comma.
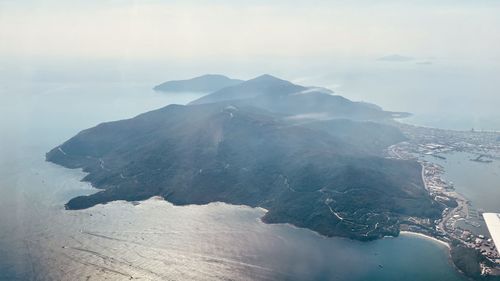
x: 444, y: 129
x: 461, y: 244
x: 428, y: 237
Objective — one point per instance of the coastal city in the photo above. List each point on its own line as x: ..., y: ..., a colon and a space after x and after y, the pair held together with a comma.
x: 424, y: 144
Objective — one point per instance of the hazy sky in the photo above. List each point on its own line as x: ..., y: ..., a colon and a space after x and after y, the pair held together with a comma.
x: 455, y: 46
x: 223, y: 29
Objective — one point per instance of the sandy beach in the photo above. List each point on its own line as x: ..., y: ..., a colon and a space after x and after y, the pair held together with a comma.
x: 425, y: 236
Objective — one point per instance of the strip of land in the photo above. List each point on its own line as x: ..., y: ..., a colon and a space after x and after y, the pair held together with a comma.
x: 473, y: 253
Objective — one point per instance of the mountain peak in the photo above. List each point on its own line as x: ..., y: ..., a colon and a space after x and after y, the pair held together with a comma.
x: 261, y: 85
x: 268, y: 78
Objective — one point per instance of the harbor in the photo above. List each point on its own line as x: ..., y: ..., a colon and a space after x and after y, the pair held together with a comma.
x: 462, y: 220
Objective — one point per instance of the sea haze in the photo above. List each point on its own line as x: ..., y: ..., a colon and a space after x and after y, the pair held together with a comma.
x: 153, y: 238
x: 445, y: 93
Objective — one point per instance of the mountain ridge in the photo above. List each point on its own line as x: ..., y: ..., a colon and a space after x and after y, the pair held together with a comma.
x: 261, y: 85
x: 203, y: 83
x: 281, y: 96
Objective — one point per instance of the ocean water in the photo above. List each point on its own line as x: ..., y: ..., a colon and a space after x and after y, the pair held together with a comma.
x: 154, y: 240
x: 478, y: 182
x: 448, y: 94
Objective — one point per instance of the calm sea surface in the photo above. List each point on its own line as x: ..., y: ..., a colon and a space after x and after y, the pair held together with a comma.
x: 155, y: 240
x: 479, y: 182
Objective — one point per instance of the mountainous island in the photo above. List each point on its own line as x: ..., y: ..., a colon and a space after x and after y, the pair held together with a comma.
x: 299, y: 102
x: 311, y: 158
x: 201, y: 84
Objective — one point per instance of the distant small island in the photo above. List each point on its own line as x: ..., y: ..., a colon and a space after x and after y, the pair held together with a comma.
x: 202, y: 84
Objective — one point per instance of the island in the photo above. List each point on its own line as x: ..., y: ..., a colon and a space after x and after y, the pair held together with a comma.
x: 202, y: 84
x: 311, y: 158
